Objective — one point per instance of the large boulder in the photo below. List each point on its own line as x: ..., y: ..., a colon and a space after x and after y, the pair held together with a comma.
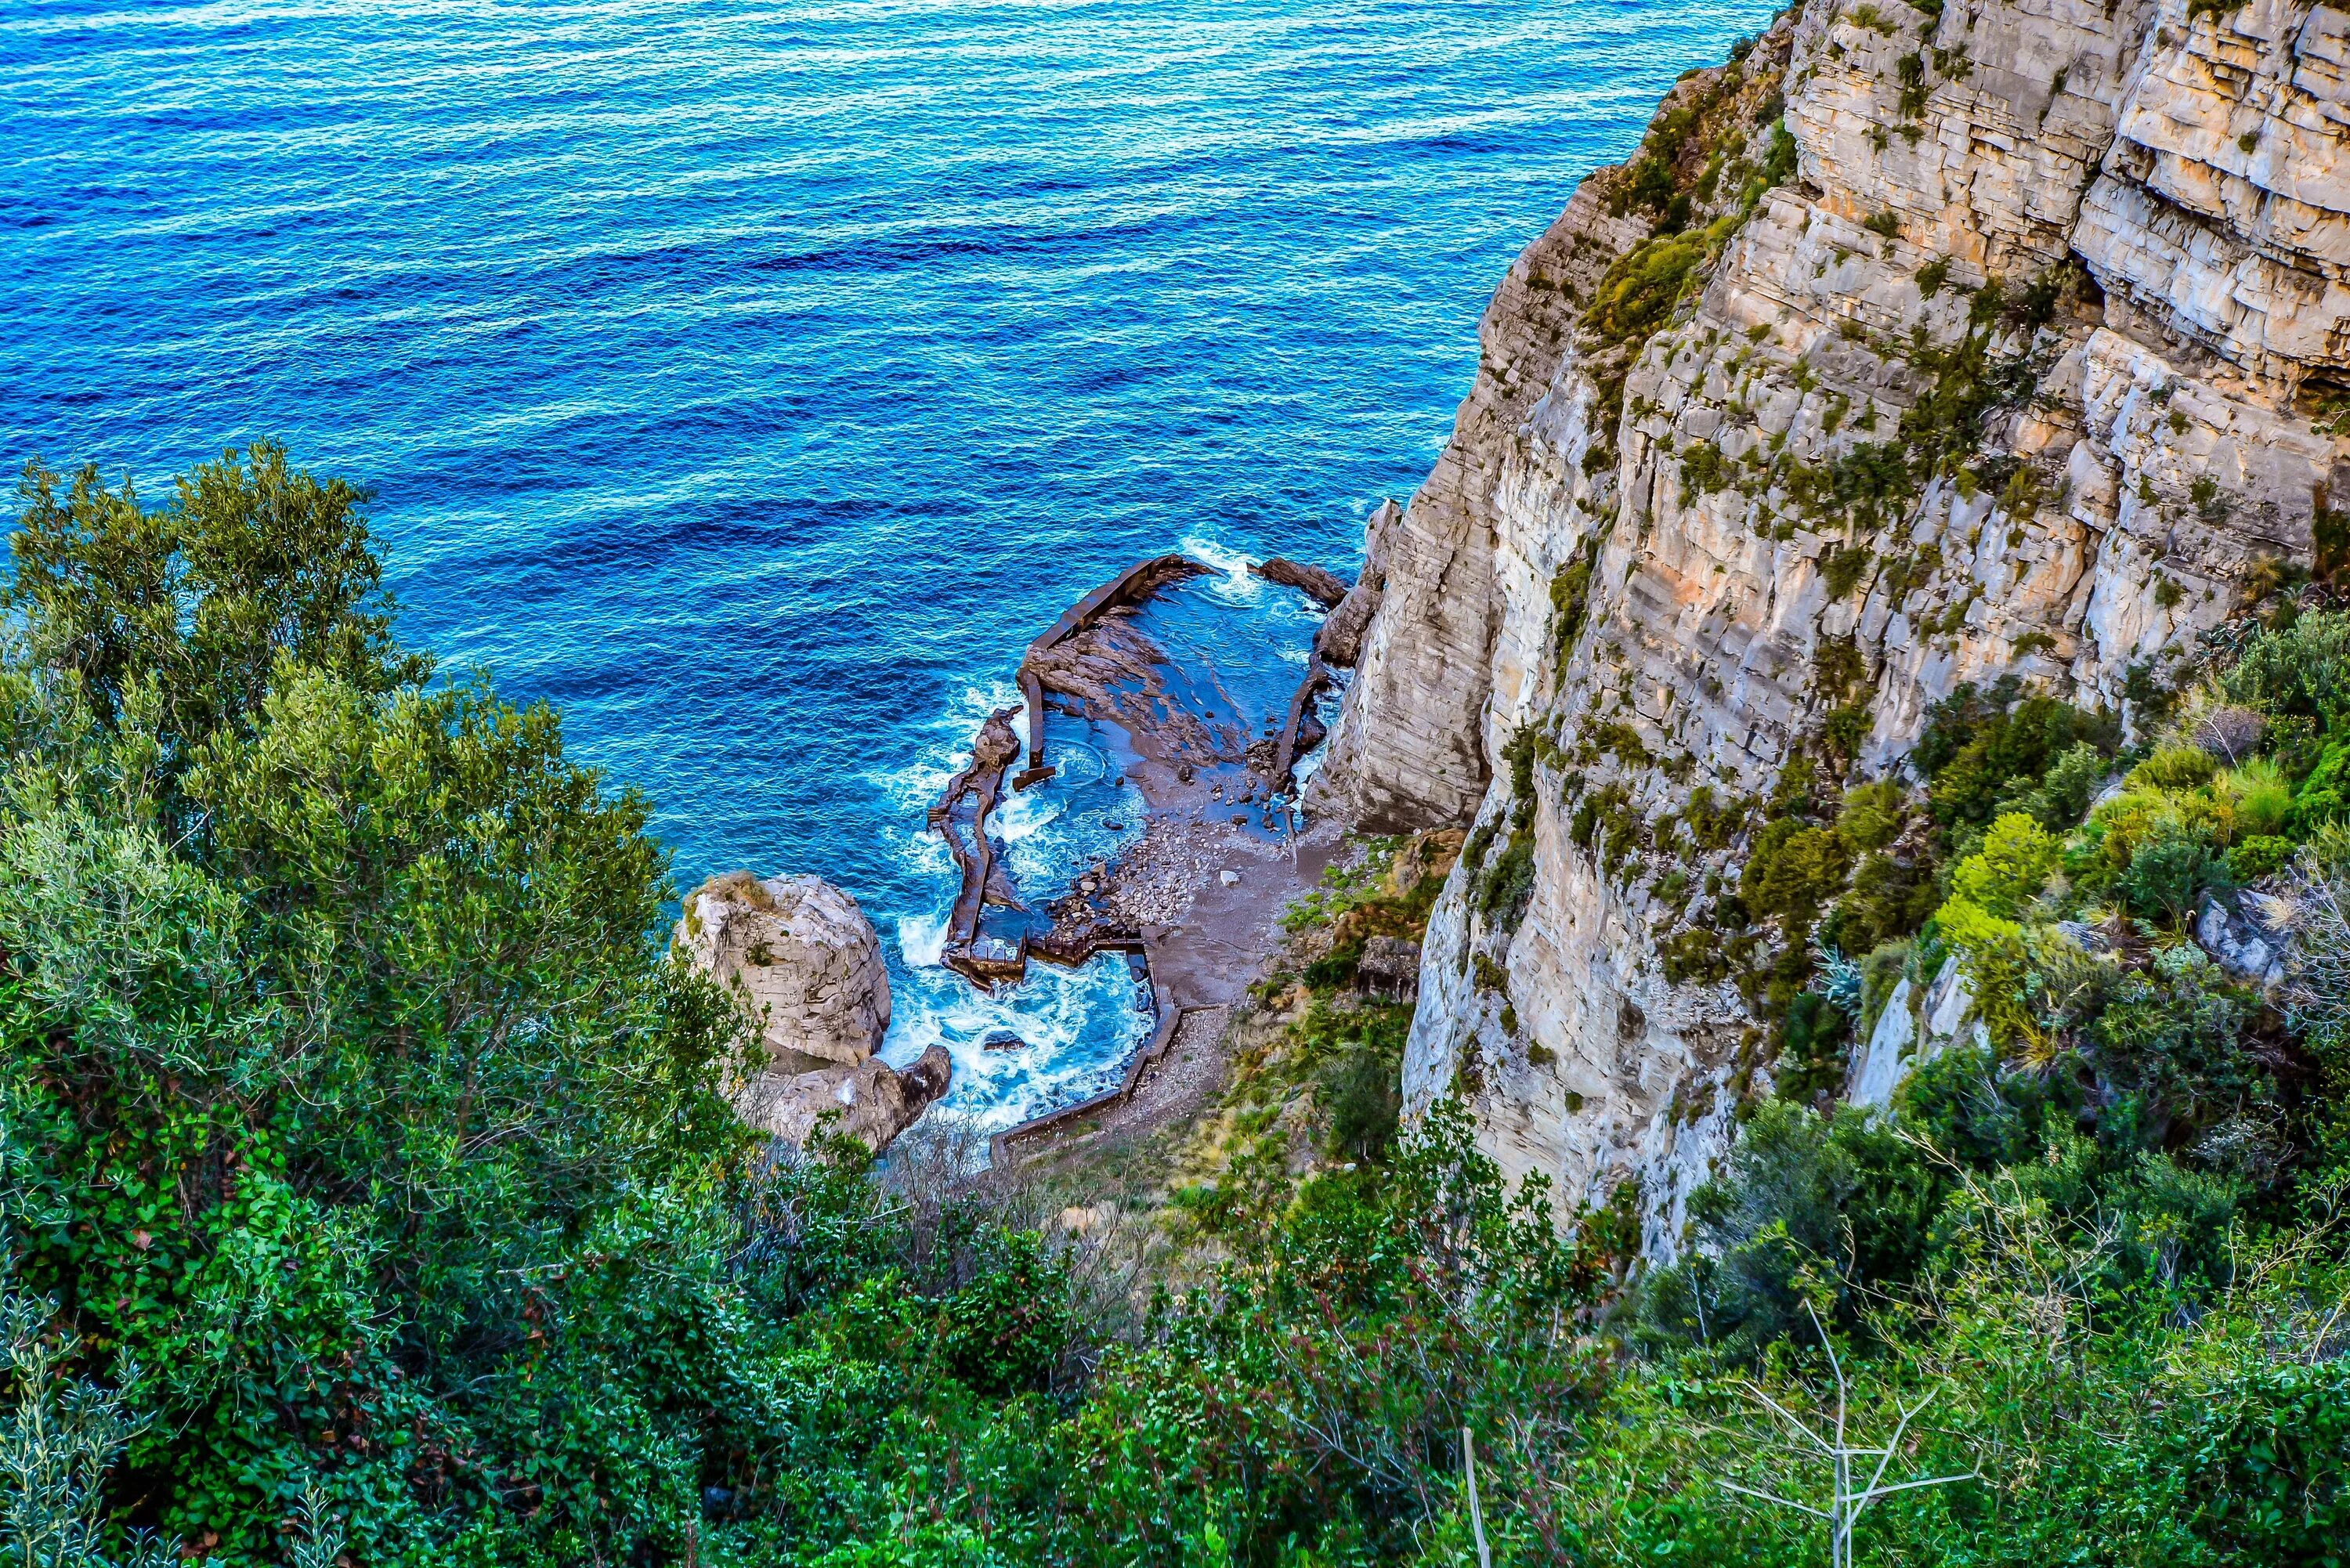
x: 804, y: 962
x: 802, y: 956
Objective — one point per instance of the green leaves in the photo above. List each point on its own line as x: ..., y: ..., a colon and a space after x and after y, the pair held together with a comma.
x: 2009, y: 868
x: 336, y: 1011
x: 373, y: 1147
x: 128, y: 954
x: 253, y: 561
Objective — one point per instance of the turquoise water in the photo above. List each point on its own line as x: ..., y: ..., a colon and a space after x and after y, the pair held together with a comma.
x: 753, y: 382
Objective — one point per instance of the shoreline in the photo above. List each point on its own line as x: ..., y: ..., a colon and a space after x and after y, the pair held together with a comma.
x: 1197, y: 898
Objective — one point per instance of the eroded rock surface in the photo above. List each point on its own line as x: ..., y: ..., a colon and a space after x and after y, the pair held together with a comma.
x: 802, y: 956
x: 870, y: 1102
x: 807, y: 968
x: 2109, y: 239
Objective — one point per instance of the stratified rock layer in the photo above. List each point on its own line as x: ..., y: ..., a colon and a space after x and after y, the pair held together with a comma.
x: 1632, y: 586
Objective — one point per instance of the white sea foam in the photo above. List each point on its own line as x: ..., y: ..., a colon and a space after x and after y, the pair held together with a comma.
x: 1079, y: 1027
x: 1076, y: 1028
x: 922, y: 939
x: 1235, y: 584
x: 915, y: 784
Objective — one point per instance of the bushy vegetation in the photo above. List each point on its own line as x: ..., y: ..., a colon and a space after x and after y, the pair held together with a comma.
x: 371, y: 1197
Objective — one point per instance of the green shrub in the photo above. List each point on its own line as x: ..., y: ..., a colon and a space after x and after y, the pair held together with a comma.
x: 1872, y: 816
x: 2250, y: 859
x: 1005, y: 1332
x: 1792, y: 871
x: 1508, y: 883
x: 1570, y: 594
x: 2175, y: 1034
x: 2325, y: 795
x: 2263, y: 799
x: 1335, y: 970
x: 1888, y: 899
x: 1841, y: 568
x: 2063, y: 794
x: 1713, y: 822
x: 2009, y: 870
x: 1814, y: 1039
x: 2175, y: 767
x: 2266, y: 1449
x: 1703, y: 469
x: 1806, y: 1202
x: 1636, y: 294
x: 1981, y: 747
x: 2169, y: 876
x: 1362, y: 1096
x: 2302, y: 668
x: 1693, y: 955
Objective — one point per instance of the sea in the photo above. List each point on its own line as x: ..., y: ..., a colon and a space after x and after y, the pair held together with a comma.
x: 752, y: 382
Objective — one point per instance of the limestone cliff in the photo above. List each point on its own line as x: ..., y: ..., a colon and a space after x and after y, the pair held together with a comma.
x: 1919, y: 345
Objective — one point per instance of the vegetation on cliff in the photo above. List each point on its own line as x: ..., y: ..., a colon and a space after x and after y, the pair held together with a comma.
x: 369, y: 1198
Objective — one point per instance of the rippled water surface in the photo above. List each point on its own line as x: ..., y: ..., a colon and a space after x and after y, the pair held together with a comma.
x: 753, y: 382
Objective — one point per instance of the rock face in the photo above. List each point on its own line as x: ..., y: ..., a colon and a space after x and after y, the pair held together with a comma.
x: 2017, y: 348
x: 808, y: 966
x: 870, y: 1102
x: 1339, y: 643
x: 803, y: 957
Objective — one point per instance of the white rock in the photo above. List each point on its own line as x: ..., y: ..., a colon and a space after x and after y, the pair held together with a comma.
x: 802, y: 956
x: 870, y: 1100
x: 804, y: 963
x: 1882, y: 1059
x: 2076, y: 129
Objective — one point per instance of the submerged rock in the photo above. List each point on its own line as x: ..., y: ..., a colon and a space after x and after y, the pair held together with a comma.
x: 1323, y: 586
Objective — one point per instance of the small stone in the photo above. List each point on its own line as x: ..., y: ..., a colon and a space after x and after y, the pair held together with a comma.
x: 1229, y: 878
x: 1003, y: 1040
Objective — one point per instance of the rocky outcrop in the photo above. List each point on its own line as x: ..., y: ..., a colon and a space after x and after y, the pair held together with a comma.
x: 806, y: 966
x: 1400, y: 756
x: 1339, y: 640
x: 1918, y: 348
x: 870, y: 1102
x: 802, y: 956
x: 1324, y: 587
x: 1916, y: 1024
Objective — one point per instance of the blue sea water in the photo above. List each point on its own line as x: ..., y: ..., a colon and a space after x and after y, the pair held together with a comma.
x: 752, y: 381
